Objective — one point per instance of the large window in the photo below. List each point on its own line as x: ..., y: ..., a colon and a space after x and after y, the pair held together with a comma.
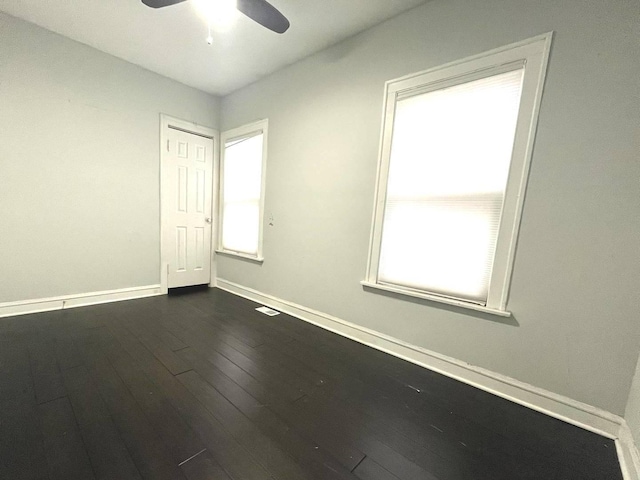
x: 242, y: 190
x: 456, y: 146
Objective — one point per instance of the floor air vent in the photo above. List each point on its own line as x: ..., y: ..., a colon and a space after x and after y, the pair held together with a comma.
x: 268, y: 311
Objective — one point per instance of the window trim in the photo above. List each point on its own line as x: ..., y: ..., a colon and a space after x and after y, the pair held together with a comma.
x: 244, y: 131
x: 533, y: 54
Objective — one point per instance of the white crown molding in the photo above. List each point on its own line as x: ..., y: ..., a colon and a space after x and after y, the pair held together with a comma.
x: 24, y: 307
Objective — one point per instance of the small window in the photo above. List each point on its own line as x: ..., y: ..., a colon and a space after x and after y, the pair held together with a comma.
x: 242, y: 190
x: 456, y: 146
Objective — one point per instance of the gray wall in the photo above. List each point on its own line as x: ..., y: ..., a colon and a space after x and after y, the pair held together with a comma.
x: 575, y: 285
x: 79, y: 168
x: 632, y: 413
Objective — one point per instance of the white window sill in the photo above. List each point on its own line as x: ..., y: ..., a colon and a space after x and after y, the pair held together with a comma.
x: 241, y: 255
x: 436, y: 298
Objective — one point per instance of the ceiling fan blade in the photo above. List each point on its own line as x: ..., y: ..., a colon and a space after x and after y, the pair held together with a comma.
x: 160, y: 3
x: 264, y: 13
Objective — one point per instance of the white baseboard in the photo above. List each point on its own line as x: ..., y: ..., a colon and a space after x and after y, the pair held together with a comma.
x: 558, y: 406
x: 552, y: 404
x: 628, y: 453
x: 555, y: 405
x: 24, y: 307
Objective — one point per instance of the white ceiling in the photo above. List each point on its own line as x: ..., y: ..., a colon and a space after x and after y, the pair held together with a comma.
x: 172, y: 41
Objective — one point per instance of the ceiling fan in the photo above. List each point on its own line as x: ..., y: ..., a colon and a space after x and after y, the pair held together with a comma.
x: 259, y: 11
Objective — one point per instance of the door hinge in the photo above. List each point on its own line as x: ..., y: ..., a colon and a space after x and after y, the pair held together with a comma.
x: 167, y: 145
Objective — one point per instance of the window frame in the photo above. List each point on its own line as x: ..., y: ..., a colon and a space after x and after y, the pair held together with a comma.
x: 244, y: 131
x: 533, y: 55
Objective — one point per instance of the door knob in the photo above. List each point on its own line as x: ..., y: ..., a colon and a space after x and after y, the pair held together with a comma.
x: 207, y: 219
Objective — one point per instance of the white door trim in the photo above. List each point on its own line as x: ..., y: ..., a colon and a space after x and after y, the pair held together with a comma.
x: 166, y: 122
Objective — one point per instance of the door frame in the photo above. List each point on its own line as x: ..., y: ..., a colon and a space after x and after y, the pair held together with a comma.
x: 166, y: 122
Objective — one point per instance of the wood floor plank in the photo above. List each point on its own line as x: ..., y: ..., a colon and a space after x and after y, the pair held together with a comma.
x: 21, y: 443
x: 65, y: 451
x: 236, y: 365
x: 169, y: 339
x: 311, y: 457
x: 204, y: 467
x: 493, y: 445
x: 234, y: 458
x: 159, y: 349
x: 198, y: 385
x: 424, y: 431
x: 108, y: 454
x: 255, y: 322
x: 370, y: 470
x: 471, y: 408
x: 436, y: 428
x: 179, y: 438
x: 15, y: 375
x: 47, y: 379
x: 266, y: 372
x: 272, y: 415
x: 67, y: 354
x: 144, y: 445
x: 426, y: 383
x: 88, y: 406
x: 238, y: 331
x: 391, y: 449
x: 267, y: 452
x: 486, y: 438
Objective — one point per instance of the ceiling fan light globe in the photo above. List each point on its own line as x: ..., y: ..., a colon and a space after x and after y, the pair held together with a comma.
x: 219, y: 14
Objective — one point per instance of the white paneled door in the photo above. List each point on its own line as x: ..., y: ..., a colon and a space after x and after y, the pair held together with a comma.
x: 186, y: 200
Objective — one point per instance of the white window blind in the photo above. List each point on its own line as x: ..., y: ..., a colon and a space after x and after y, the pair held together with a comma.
x: 242, y: 189
x: 448, y: 167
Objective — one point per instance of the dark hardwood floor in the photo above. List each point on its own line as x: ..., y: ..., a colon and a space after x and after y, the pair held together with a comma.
x: 200, y: 386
